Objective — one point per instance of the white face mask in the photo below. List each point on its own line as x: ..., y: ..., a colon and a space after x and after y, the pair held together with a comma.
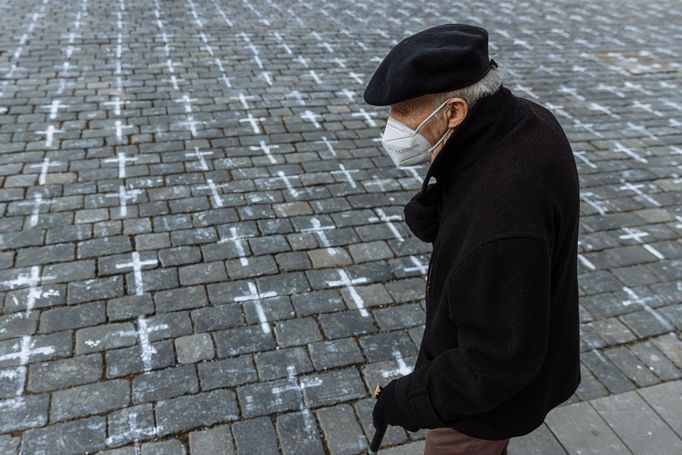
x: 406, y: 146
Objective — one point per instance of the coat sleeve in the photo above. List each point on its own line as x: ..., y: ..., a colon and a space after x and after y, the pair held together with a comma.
x: 499, y: 297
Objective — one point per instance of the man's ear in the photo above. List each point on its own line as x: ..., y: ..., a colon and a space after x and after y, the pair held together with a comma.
x: 457, y: 110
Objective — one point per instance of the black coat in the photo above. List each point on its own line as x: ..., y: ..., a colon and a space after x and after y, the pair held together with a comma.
x: 501, y: 342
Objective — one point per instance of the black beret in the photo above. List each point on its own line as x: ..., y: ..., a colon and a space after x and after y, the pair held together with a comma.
x: 438, y: 59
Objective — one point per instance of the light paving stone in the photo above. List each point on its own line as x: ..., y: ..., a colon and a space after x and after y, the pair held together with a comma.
x: 665, y: 399
x: 579, y: 428
x: 194, y: 348
x: 670, y: 345
x: 9, y: 445
x: 628, y: 414
x: 541, y: 441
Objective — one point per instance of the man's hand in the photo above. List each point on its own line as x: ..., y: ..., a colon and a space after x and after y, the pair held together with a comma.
x: 387, y: 410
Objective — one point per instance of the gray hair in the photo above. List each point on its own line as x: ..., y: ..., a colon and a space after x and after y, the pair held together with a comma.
x: 486, y: 86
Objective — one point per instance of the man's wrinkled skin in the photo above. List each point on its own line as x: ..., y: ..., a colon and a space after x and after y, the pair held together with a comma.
x: 417, y: 109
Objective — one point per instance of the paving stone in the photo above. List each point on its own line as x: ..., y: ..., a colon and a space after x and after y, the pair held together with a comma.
x: 105, y: 337
x: 255, y: 436
x: 72, y: 317
x: 16, y: 324
x: 126, y: 361
x: 579, y: 428
x: 77, y: 436
x: 394, y: 434
x: 346, y: 323
x: 275, y: 364
x: 589, y: 386
x: 400, y: 317
x: 40, y: 348
x: 193, y: 411
x: 612, y: 331
x: 163, y: 384
x: 96, y: 289
x: 202, y: 273
x: 298, y: 433
x: 341, y: 430
x: 126, y: 425
x: 242, y: 340
x: 339, y: 385
x: 665, y: 400
x: 23, y: 412
x: 64, y: 373
x: 538, y: 442
x: 129, y: 306
x: 167, y: 447
x: 9, y: 445
x: 89, y: 399
x: 294, y: 332
x: 194, y: 348
x: 645, y: 324
x: 670, y: 345
x: 387, y: 346
x: 216, y: 440
x: 655, y: 360
x: 226, y: 373
x: 627, y: 413
x: 631, y: 366
x: 181, y: 299
x: 607, y: 373
x: 218, y: 317
x: 335, y: 353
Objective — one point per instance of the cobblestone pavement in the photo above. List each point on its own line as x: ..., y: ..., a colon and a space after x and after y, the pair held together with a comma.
x: 203, y: 250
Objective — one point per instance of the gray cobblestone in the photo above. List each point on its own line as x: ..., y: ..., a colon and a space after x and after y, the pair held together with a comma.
x: 89, y: 399
x: 194, y: 411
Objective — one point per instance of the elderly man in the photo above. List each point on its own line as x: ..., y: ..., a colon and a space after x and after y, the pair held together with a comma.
x: 501, y: 342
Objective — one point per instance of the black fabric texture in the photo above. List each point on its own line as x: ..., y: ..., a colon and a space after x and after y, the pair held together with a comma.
x: 501, y: 340
x: 422, y: 213
x: 438, y: 59
x: 388, y: 410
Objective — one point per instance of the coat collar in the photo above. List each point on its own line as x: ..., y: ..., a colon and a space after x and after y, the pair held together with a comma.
x: 486, y: 123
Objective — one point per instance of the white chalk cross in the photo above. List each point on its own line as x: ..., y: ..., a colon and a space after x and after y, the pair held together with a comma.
x: 136, y: 265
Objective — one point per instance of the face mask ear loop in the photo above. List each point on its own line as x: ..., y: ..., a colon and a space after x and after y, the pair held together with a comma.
x: 431, y: 115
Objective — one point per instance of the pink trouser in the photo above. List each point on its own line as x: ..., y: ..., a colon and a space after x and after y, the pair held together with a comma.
x: 448, y: 441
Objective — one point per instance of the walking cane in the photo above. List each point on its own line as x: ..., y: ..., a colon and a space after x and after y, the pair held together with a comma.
x: 379, y: 432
